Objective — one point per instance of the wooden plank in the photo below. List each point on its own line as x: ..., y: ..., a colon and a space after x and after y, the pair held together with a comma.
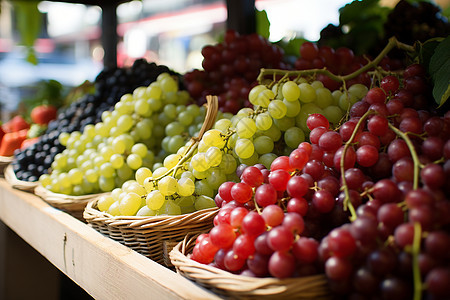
x: 104, y: 268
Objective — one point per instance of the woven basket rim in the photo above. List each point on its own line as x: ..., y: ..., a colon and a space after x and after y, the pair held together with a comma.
x: 11, y: 179
x: 91, y: 214
x: 6, y: 159
x: 52, y: 197
x: 239, y: 285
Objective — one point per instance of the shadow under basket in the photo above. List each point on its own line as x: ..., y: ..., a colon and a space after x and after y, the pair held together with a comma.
x: 153, y: 237
x: 73, y: 205
x: 12, y: 180
x: 244, y: 287
x: 4, y: 162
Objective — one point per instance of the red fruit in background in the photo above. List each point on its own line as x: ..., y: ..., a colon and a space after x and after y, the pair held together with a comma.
x: 28, y: 142
x: 12, y: 141
x: 15, y: 124
x: 43, y: 114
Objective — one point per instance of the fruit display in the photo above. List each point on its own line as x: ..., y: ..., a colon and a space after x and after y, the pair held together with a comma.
x: 230, y: 69
x: 364, y: 201
x: 110, y: 85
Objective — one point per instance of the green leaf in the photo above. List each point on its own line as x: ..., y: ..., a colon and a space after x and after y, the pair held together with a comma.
x: 29, y: 23
x: 262, y: 24
x: 439, y: 70
x: 426, y: 50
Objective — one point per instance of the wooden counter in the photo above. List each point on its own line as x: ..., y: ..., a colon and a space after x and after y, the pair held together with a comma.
x: 104, y: 268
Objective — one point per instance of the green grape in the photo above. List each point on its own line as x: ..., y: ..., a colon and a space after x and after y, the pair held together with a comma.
x: 284, y: 123
x: 185, y: 187
x: 106, y: 184
x: 159, y: 171
x: 170, y: 111
x: 253, y: 95
x: 175, y: 143
x: 118, y: 145
x: 144, y: 211
x: 244, y: 112
x: 307, y: 93
x: 114, y: 209
x: 116, y: 161
x: 171, y: 160
x: 134, y: 161
x: 228, y: 164
x: 61, y: 160
x: 273, y: 132
x: 138, y: 93
x: 165, y: 143
x: 212, y: 138
x: 358, y: 90
x: 142, y: 174
x: 267, y: 159
x: 346, y: 101
x: 316, y: 84
x: 124, y: 172
x: 129, y: 142
x: 216, y: 179
x: 203, y: 188
x: 126, y: 98
x: 104, y: 202
x: 124, y: 123
x: 155, y: 200
x: 213, y: 156
x: 64, y: 180
x: 153, y: 91
x: 149, y: 157
x: 290, y: 91
x: 106, y: 152
x: 170, y: 208
x: 263, y: 121
x: 333, y: 114
x: 293, y: 137
x: 244, y: 148
x: 252, y: 160
x: 168, y: 84
x: 185, y: 118
x: 155, y: 104
x: 130, y: 204
x: 200, y: 175
x: 323, y: 97
x: 167, y: 185
x: 75, y: 176
x: 336, y: 96
x: 199, y: 163
x: 45, y: 180
x: 186, y: 201
x: 204, y: 202
x: 292, y: 108
x: 149, y: 184
x: 174, y: 128
x: 63, y: 138
x: 89, y: 187
x: 264, y: 98
x: 139, y: 149
x: 91, y: 175
x: 202, y: 147
x: 135, y: 187
x: 277, y: 109
x: 223, y: 125
x: 187, y: 174
x: 115, y: 193
x: 107, y: 170
x: 77, y: 190
x: 142, y: 107
x: 263, y: 144
x: 246, y: 128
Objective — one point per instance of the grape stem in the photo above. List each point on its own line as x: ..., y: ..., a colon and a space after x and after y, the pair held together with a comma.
x: 414, y: 155
x: 210, y: 118
x: 347, y: 203
x: 415, y: 257
x: 392, y: 43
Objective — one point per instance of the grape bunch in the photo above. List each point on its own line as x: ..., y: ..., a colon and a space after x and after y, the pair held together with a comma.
x: 106, y: 155
x: 231, y: 68
x: 365, y: 203
x: 110, y: 85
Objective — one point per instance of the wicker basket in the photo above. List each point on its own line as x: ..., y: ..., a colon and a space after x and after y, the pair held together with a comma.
x: 153, y: 237
x: 11, y: 178
x: 4, y: 161
x: 243, y: 287
x: 73, y: 205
